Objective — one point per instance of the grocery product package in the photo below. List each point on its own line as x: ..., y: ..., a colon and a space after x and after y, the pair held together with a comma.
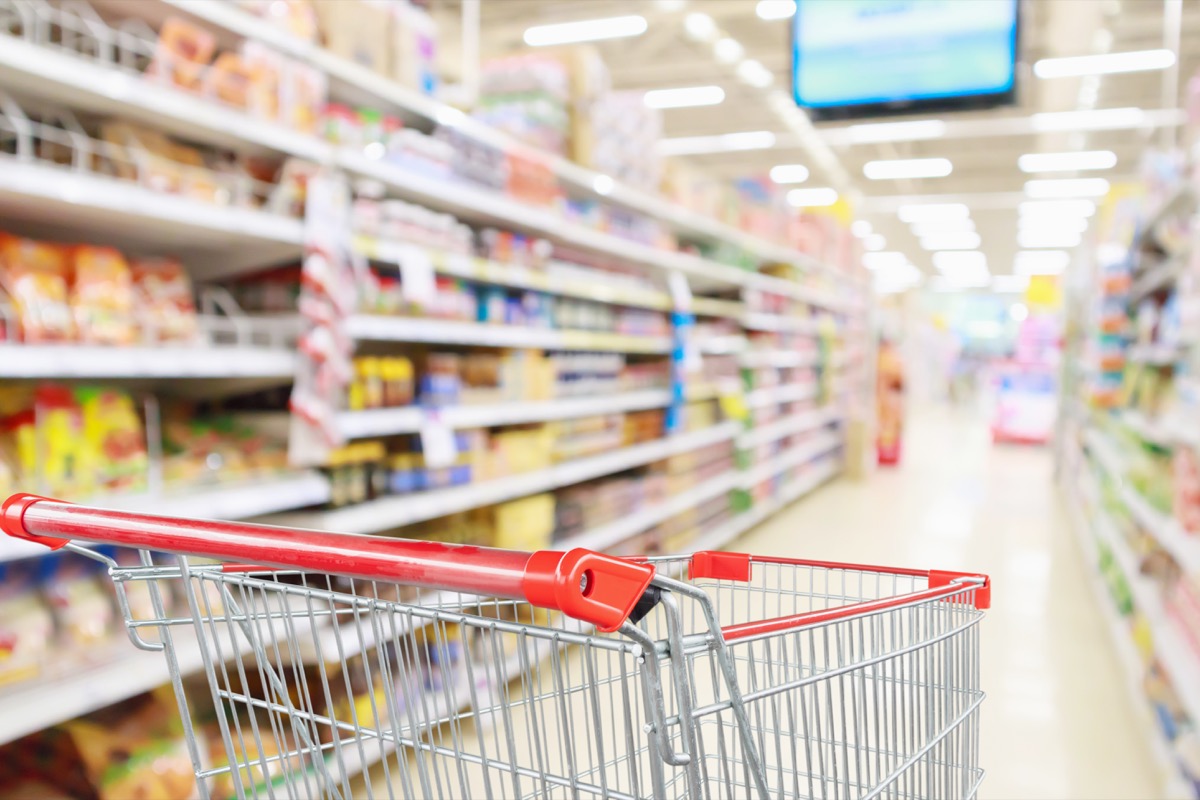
x: 134, y: 749
x: 166, y: 310
x: 35, y: 276
x: 26, y: 623
x: 102, y: 296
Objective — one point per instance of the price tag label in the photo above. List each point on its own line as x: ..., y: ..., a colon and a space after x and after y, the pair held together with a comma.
x: 417, y: 277
x: 681, y: 293
x: 437, y: 442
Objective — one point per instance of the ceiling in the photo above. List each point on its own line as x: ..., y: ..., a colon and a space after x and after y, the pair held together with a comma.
x: 983, y: 146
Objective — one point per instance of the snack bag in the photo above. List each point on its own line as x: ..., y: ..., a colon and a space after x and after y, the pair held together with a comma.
x: 102, y: 296
x: 81, y: 608
x: 183, y: 53
x: 34, y: 275
x: 53, y: 409
x: 163, y: 299
x: 114, y: 442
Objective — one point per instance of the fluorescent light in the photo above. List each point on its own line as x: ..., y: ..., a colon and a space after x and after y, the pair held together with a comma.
x: 670, y: 6
x: 908, y: 168
x: 920, y: 229
x: 1041, y: 262
x: 1094, y: 120
x: 1018, y: 312
x: 1056, y: 209
x: 1066, y: 187
x: 1062, y: 162
x: 875, y: 241
x: 1072, y: 224
x: 602, y: 184
x: 1010, y: 283
x: 789, y: 173
x: 951, y: 260
x: 884, y: 260
x: 896, y: 131
x: 692, y: 145
x: 700, y: 27
x: 861, y: 228
x: 812, y: 198
x: 755, y: 74
x: 973, y: 277
x: 775, y: 9
x: 449, y: 116
x: 589, y: 30
x: 1048, y: 238
x: 1104, y: 64
x: 728, y: 50
x: 968, y: 240
x: 684, y: 97
x: 932, y: 212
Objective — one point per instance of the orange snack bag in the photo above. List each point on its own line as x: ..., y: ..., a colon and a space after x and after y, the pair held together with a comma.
x: 183, y: 53
x: 102, y: 296
x: 231, y: 80
x: 163, y: 293
x: 34, y: 274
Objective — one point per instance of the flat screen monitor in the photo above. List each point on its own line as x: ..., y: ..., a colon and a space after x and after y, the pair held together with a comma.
x: 864, y: 58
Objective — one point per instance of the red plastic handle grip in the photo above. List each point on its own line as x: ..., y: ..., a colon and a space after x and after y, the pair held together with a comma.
x: 591, y: 587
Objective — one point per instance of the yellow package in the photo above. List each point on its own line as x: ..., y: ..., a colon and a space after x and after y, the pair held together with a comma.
x: 525, y: 524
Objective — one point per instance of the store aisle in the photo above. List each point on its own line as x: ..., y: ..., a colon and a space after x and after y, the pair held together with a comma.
x: 1057, y: 722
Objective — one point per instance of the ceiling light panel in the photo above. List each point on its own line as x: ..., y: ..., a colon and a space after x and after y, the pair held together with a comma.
x: 755, y: 74
x: 920, y: 229
x: 1065, y: 162
x: 1010, y: 284
x: 899, y: 169
x: 727, y: 142
x: 812, y: 198
x: 932, y: 212
x: 1104, y: 64
x: 789, y: 173
x: 1041, y: 262
x: 728, y: 51
x: 861, y: 228
x: 951, y: 241
x: 884, y: 260
x: 913, y: 131
x: 875, y: 241
x: 1048, y: 238
x: 1066, y: 187
x: 591, y: 30
x: 700, y: 27
x: 951, y: 260
x: 1056, y: 209
x: 1095, y: 120
x: 1071, y: 224
x: 684, y: 97
x: 775, y: 9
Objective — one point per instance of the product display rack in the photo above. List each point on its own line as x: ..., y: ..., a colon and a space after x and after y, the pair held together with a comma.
x: 220, y: 243
x: 1122, y: 326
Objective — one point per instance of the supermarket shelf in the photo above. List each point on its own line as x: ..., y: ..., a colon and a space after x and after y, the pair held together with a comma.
x: 778, y: 322
x: 1152, y: 432
x: 1184, y: 548
x: 1180, y: 201
x: 787, y: 393
x: 743, y: 522
x: 414, y: 329
x: 791, y: 424
x: 1156, y: 278
x: 220, y: 240
x: 90, y: 361
x: 793, y: 457
x: 233, y: 501
x: 354, y: 83
x: 394, y: 512
x: 1122, y: 637
x: 722, y: 345
x: 781, y: 359
x: 391, y: 421
x: 521, y: 277
x: 615, y: 532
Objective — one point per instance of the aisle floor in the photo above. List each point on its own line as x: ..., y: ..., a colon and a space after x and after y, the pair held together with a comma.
x: 1058, y: 721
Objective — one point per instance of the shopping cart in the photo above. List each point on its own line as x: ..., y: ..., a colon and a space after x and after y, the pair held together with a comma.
x: 342, y: 666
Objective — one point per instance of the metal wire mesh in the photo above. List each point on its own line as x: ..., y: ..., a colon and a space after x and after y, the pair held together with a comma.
x: 315, y: 686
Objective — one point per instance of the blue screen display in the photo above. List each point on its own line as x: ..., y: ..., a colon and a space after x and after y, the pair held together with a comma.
x: 866, y: 52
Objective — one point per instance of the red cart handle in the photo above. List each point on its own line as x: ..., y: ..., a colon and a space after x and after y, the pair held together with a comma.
x: 588, y: 586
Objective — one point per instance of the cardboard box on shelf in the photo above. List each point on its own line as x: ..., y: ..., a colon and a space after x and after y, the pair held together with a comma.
x: 359, y: 30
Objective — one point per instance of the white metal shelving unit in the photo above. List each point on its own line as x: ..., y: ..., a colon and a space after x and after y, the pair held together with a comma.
x: 219, y: 242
